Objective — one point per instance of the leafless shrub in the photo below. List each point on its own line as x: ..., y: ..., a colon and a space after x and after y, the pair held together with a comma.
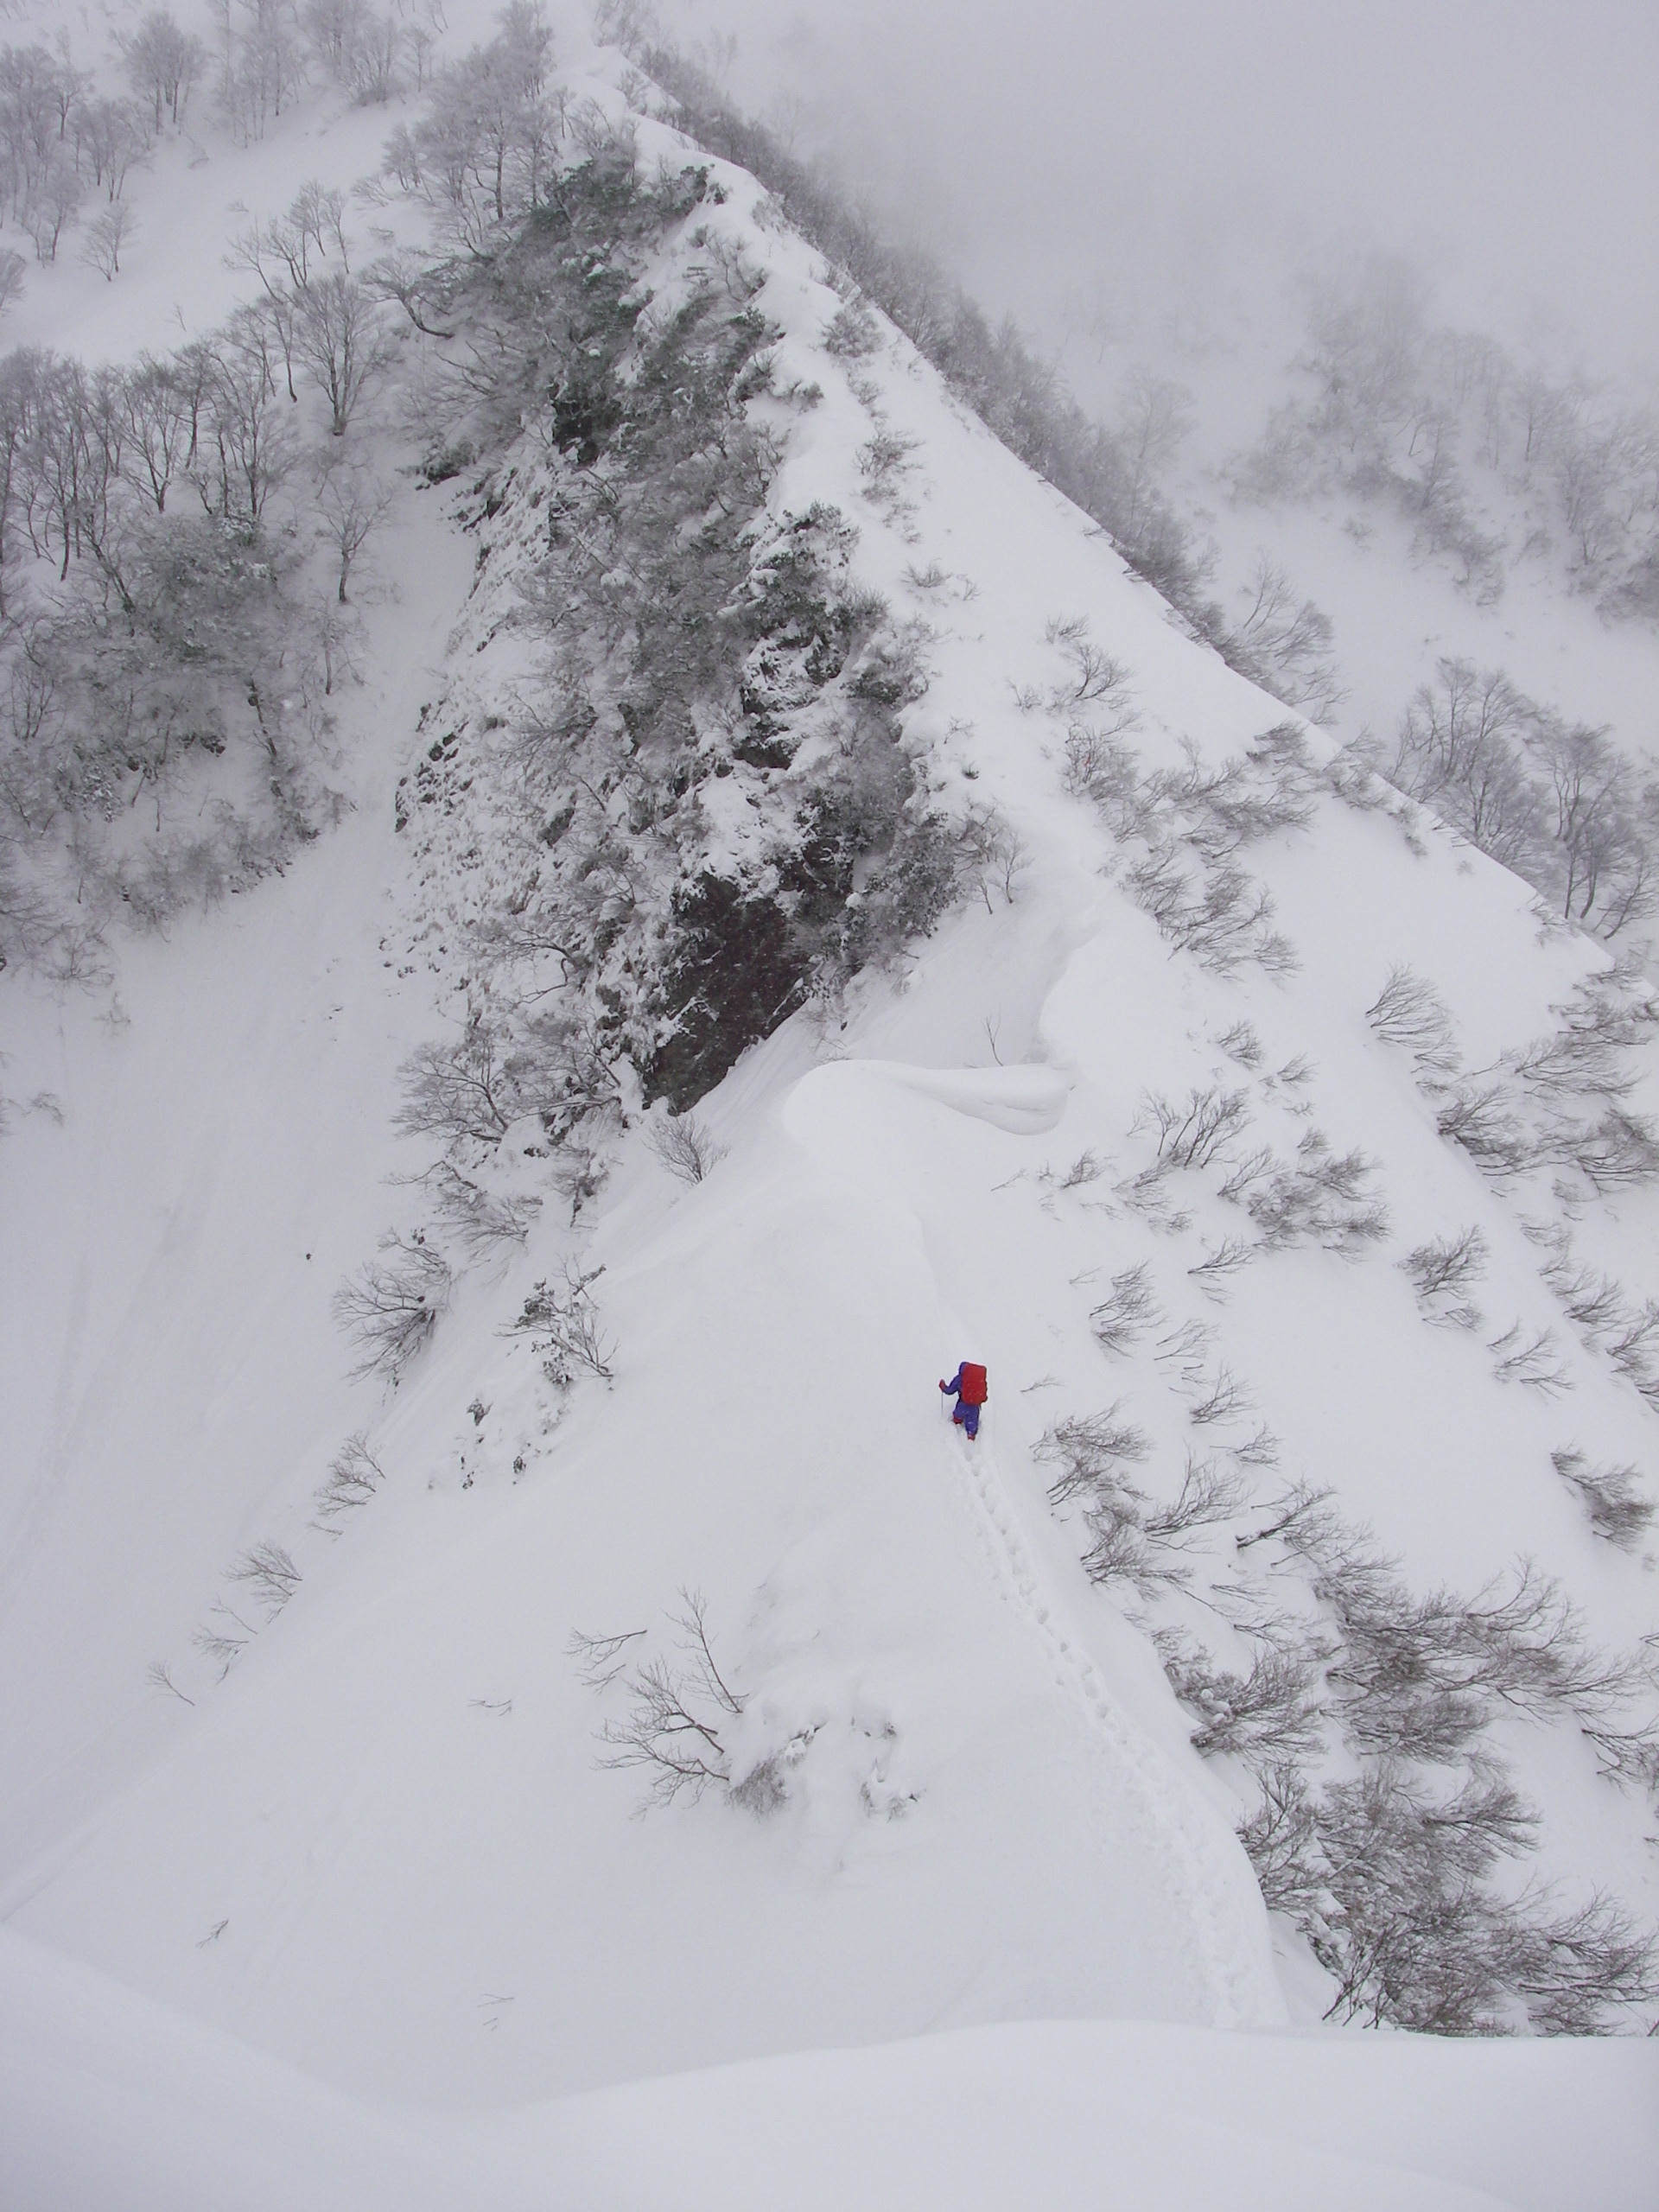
x: 1185, y: 1349
x: 1131, y: 1538
x: 1194, y: 1134
x: 1531, y: 1360
x: 991, y: 850
x: 1319, y: 1198
x: 1243, y: 1175
x: 1409, y: 1012
x: 1095, y: 700
x: 1088, y: 1168
x: 1269, y: 1715
x: 354, y: 1475
x: 1478, y: 1118
x: 1209, y: 1494
x: 1391, y: 1886
x: 470, y: 1090
x: 1441, y: 1273
x: 1242, y: 1043
x: 1089, y: 1452
x: 1618, y: 1151
x: 270, y: 1572
x: 1222, y: 1397
x: 222, y: 1637
x: 1528, y: 1111
x: 564, y: 1330
x: 1594, y: 1051
x: 1224, y: 922
x: 1098, y: 766
x: 680, y: 1712
x: 1300, y: 1508
x: 1594, y: 1303
x: 1213, y: 1272
x: 1611, y: 1497
x: 1146, y: 1193
x: 1286, y: 645
x: 1418, y: 1677
x: 685, y: 1145
x: 1269, y: 789
x: 1629, y: 1757
x: 1120, y: 1320
x: 391, y: 1307
x: 852, y: 333
x: 599, y: 1660
x: 481, y: 1220
x: 1260, y: 1449
x: 1634, y: 1349
x: 158, y: 1675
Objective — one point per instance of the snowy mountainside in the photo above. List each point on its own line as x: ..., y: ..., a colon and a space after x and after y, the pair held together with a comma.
x: 1127, y: 1090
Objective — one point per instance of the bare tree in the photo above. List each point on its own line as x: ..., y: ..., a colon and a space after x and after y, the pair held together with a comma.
x: 1154, y: 417
x: 345, y: 342
x: 163, y: 64
x: 106, y: 236
x: 155, y: 403
x: 253, y: 442
x: 52, y: 206
x: 354, y: 503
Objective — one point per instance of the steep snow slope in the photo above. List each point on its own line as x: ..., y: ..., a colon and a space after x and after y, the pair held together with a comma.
x: 178, y: 1212
x: 380, y: 1847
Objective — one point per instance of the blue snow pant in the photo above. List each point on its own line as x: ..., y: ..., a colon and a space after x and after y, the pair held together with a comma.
x: 967, y: 1417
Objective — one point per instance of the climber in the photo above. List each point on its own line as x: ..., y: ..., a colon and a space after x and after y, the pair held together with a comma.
x: 969, y: 1388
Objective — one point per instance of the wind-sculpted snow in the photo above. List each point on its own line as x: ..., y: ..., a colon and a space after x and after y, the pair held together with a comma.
x: 1024, y: 1101
x: 108, y: 2098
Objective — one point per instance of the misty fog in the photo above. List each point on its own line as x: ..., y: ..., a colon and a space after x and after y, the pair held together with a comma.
x: 1507, y: 146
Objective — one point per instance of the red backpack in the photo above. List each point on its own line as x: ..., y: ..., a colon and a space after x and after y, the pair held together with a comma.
x: 973, y: 1391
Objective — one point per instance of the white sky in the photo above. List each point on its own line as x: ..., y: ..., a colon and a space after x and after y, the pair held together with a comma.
x: 1172, y: 146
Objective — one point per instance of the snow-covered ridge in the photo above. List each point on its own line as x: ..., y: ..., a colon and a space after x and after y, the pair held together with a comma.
x: 950, y: 1781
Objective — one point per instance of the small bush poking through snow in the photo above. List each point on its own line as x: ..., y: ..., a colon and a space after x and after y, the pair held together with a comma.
x: 1611, y: 1497
x: 1408, y: 1011
x: 685, y: 1145
x: 270, y: 1572
x: 391, y: 1305
x: 564, y: 1328
x: 1441, y: 1273
x: 354, y: 1475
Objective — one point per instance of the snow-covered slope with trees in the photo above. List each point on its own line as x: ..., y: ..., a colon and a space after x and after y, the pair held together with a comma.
x: 794, y: 909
